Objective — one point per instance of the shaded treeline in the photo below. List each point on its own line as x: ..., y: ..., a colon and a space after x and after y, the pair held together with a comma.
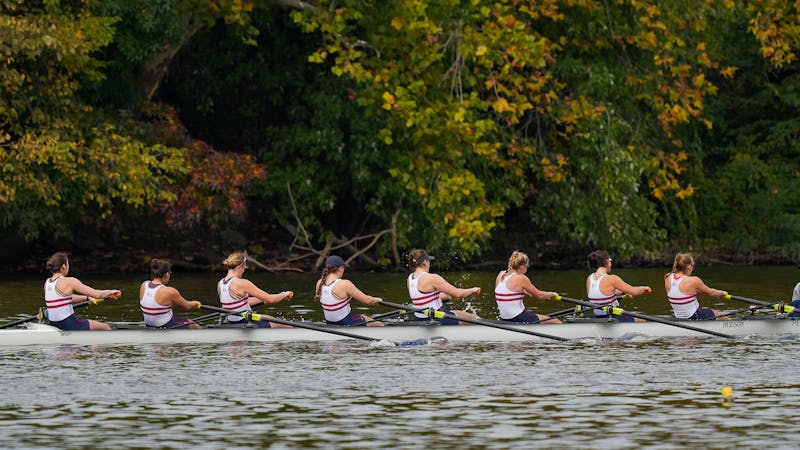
x: 293, y: 128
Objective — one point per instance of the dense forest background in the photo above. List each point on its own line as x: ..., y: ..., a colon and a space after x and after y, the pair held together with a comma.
x: 295, y: 128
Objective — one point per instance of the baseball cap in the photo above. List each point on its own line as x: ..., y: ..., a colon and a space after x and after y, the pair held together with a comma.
x: 335, y: 261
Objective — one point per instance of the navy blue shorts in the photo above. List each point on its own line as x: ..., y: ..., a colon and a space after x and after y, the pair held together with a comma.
x: 71, y: 323
x: 524, y: 317
x: 175, y: 322
x: 352, y: 320
x: 703, y: 314
x: 443, y: 320
x: 618, y: 318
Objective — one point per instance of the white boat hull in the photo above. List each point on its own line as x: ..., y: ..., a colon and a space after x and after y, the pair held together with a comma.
x: 40, y: 334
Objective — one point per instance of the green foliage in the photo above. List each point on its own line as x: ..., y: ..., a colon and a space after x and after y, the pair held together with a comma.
x: 64, y: 162
x: 600, y: 122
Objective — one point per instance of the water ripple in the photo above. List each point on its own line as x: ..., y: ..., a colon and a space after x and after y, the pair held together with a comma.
x: 607, y: 395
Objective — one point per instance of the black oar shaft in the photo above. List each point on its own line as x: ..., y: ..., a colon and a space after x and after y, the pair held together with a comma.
x: 380, y: 317
x: 647, y: 317
x: 779, y: 306
x: 475, y: 321
x: 259, y: 317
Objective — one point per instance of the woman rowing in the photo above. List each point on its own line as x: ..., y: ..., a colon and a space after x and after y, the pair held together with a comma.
x: 602, y: 288
x: 510, y: 288
x: 239, y: 295
x: 156, y: 299
x: 335, y: 293
x: 59, y: 296
x: 428, y: 290
x: 682, y: 289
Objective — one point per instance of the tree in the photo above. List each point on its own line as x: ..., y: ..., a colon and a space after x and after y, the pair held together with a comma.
x: 554, y: 106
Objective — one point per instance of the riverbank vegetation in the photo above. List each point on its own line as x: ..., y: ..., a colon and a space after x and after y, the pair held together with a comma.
x: 292, y: 128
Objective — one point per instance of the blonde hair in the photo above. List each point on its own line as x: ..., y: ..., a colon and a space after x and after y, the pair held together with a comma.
x: 682, y: 262
x: 517, y: 260
x: 234, y: 260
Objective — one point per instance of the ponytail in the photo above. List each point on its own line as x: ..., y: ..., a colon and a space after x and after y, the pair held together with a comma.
x: 325, y: 272
x: 682, y: 262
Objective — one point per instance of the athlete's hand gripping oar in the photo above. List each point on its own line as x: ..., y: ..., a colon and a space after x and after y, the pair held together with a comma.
x: 619, y: 311
x: 441, y: 315
x: 91, y: 301
x: 778, y: 306
x: 249, y: 315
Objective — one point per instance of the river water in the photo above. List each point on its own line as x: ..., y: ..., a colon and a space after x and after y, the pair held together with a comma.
x: 660, y: 394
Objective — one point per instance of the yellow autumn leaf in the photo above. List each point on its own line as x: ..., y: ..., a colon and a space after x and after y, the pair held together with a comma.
x: 397, y: 23
x: 481, y: 50
x: 501, y: 105
x: 388, y: 100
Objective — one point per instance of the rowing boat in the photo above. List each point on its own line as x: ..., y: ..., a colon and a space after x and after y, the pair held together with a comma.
x: 578, y: 329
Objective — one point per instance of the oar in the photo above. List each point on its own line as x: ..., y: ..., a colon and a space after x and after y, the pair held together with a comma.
x: 441, y: 315
x: 578, y: 308
x: 751, y: 309
x: 249, y: 315
x: 779, y: 306
x: 200, y: 319
x: 92, y: 301
x: 620, y: 311
x: 380, y: 317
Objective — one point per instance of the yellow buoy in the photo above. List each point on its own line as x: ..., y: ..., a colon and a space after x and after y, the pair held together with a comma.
x: 727, y: 392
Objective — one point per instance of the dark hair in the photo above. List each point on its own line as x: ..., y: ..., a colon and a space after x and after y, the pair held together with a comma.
x: 57, y: 260
x: 417, y: 257
x: 325, y: 272
x: 597, y: 259
x: 159, y: 268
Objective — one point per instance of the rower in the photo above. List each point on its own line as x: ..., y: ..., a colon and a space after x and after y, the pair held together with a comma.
x: 156, y: 299
x: 796, y: 301
x: 602, y: 288
x: 510, y: 288
x: 335, y: 293
x: 239, y: 295
x: 59, y: 295
x: 682, y: 290
x: 428, y: 290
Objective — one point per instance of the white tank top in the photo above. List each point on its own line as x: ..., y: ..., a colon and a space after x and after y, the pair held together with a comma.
x: 155, y: 314
x: 509, y: 302
x: 334, y: 308
x: 598, y: 297
x: 230, y: 302
x: 59, y: 307
x: 683, y: 305
x: 422, y: 299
